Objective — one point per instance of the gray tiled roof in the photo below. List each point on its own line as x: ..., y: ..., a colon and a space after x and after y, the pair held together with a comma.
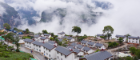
x: 84, y: 41
x: 43, y: 38
x: 102, y: 55
x: 71, y: 47
x: 46, y: 34
x: 98, y: 44
x: 63, y: 50
x: 73, y: 44
x: 86, y: 48
x: 36, y: 36
x: 51, y: 42
x: 76, y: 50
x: 132, y: 37
x: 60, y: 40
x: 28, y: 40
x: 120, y: 36
x: 61, y: 33
x: 67, y: 37
x: 79, y: 46
x: 90, y: 43
x: 100, y: 34
x: 37, y: 43
x: 48, y: 46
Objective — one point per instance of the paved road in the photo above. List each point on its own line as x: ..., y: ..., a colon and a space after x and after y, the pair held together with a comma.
x: 36, y: 55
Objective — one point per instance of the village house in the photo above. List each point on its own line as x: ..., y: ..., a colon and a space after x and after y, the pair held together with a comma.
x: 87, y: 50
x: 121, y: 36
x: 37, y: 37
x: 100, y: 46
x: 65, y: 54
x: 83, y: 42
x: 60, y: 39
x: 99, y: 36
x: 132, y: 39
x: 91, y: 44
x: 102, y: 55
x: 61, y: 34
x: 79, y: 46
x: 43, y: 39
x: 37, y: 46
x: 78, y: 52
x: 49, y: 51
x: 46, y: 35
x: 52, y: 43
x: 28, y: 43
x: 73, y: 44
x: 1, y: 30
x: 70, y: 39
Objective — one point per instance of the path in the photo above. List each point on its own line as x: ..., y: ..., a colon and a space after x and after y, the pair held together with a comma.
x: 36, y: 55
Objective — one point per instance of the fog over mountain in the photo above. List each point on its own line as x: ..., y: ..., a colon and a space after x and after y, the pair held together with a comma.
x: 91, y: 15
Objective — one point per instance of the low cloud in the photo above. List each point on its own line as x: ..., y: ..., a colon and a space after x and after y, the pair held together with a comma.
x: 123, y: 17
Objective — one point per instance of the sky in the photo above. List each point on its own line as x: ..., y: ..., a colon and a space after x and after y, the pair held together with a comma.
x: 123, y: 17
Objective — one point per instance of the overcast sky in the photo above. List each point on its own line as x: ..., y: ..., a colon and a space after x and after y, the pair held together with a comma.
x: 124, y: 17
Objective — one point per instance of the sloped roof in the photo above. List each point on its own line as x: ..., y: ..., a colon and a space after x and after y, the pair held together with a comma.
x: 43, y: 38
x: 98, y: 44
x: 86, y: 48
x: 28, y: 40
x: 71, y: 47
x: 37, y: 43
x: 90, y: 43
x: 51, y: 42
x: 46, y: 34
x: 83, y: 41
x: 76, y: 51
x: 120, y: 36
x: 73, y: 44
x: 61, y: 33
x: 36, y: 36
x: 100, y: 34
x: 21, y: 41
x: 79, y: 46
x: 48, y: 46
x: 60, y: 40
x: 63, y: 50
x: 132, y: 37
x: 102, y: 55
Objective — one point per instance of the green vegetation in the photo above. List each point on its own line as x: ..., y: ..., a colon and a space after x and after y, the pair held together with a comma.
x: 7, y: 26
x: 120, y: 40
x: 27, y: 31
x: 76, y: 29
x: 26, y: 37
x: 108, y: 30
x: 97, y: 50
x: 135, y: 52
x: 80, y: 38
x: 18, y: 30
x: 2, y: 33
x: 8, y: 53
x: 112, y: 44
x: 44, y: 32
x: 127, y: 36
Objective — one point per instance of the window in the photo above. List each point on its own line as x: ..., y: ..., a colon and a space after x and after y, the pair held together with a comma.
x: 61, y: 59
x: 65, y: 56
x: 44, y: 51
x: 58, y: 57
x: 49, y: 55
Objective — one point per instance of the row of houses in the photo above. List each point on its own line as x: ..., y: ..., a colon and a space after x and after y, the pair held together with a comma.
x: 129, y: 39
x: 52, y: 51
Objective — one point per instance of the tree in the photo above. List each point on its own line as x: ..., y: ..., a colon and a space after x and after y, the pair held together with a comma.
x: 120, y: 40
x: 52, y: 34
x: 16, y: 43
x: 76, y: 29
x: 127, y: 36
x: 44, y: 32
x: 132, y: 50
x: 9, y: 37
x: 7, y: 26
x: 27, y: 31
x: 51, y: 38
x: 108, y: 30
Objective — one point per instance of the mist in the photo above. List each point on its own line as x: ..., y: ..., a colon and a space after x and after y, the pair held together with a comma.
x: 123, y: 16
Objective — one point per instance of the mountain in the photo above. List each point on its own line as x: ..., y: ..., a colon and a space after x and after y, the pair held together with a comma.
x: 11, y: 16
x: 28, y: 15
x: 90, y: 16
